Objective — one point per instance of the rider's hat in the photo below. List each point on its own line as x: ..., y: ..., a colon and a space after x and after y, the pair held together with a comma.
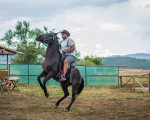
x: 66, y: 32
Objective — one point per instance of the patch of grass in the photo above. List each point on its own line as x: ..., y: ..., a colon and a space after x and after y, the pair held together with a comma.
x: 93, y: 103
x: 144, y: 108
x: 84, y: 113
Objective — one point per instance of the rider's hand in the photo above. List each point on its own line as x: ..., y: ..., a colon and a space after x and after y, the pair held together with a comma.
x: 64, y: 51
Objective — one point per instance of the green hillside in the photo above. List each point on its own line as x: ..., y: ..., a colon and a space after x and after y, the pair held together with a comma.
x: 127, y: 62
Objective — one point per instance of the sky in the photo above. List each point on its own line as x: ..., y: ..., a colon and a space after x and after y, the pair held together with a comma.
x: 98, y: 27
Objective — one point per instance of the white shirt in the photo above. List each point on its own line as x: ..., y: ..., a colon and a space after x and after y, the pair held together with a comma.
x: 66, y: 45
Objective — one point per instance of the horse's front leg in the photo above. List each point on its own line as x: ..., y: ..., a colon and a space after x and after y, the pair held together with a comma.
x: 39, y: 78
x: 44, y: 83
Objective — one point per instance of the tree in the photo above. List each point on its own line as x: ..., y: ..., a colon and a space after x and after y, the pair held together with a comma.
x: 95, y: 60
x: 31, y: 55
x: 90, y: 60
x: 24, y: 39
x: 85, y: 62
x: 77, y: 55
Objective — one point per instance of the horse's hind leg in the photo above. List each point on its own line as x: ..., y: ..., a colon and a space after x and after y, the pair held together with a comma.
x: 39, y: 78
x: 66, y: 94
x: 74, y: 90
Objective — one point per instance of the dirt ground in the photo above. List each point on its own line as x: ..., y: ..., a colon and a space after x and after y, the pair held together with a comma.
x: 94, y: 103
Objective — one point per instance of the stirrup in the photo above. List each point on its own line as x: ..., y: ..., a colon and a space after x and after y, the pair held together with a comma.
x: 72, y: 64
x: 62, y: 78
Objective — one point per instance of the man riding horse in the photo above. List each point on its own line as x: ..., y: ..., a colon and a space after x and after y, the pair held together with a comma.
x: 68, y: 48
x: 52, y: 66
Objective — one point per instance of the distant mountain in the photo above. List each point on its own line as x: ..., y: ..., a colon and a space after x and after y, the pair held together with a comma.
x: 137, y: 55
x: 126, y: 62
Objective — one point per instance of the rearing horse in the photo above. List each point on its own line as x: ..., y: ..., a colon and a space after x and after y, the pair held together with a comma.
x: 50, y: 70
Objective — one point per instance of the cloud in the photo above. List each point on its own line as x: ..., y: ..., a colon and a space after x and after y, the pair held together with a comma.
x: 2, y: 43
x: 106, y: 26
x: 42, y: 8
x: 10, y: 24
x: 100, y: 27
x: 147, y: 6
x: 76, y: 29
x: 101, y: 52
x: 139, y: 3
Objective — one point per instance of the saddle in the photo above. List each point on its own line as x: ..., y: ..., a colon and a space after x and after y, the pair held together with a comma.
x: 61, y: 65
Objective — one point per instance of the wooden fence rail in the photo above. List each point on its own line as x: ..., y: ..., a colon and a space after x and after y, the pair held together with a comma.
x: 134, y: 78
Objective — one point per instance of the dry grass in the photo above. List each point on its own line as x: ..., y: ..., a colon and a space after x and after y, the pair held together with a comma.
x: 94, y: 103
x: 133, y: 71
x: 143, y: 81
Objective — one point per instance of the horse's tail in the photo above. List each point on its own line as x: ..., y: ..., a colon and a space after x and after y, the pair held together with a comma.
x: 80, y: 87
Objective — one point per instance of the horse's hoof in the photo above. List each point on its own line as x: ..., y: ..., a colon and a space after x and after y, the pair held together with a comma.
x: 56, y: 106
x: 66, y: 109
x: 47, y: 95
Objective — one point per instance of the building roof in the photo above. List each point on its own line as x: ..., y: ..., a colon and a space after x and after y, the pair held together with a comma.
x: 8, y: 51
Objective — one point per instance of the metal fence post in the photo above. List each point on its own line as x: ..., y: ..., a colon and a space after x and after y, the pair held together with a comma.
x: 85, y: 77
x: 28, y: 74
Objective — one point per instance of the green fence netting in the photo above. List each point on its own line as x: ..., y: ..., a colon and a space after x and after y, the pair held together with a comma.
x: 92, y: 75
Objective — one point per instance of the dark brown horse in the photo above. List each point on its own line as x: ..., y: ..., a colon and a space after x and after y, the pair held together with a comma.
x: 50, y: 70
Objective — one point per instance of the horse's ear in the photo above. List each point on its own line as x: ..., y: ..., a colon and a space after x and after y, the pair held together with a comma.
x: 56, y: 33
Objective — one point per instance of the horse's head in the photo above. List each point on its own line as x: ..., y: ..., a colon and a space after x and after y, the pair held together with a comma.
x: 47, y: 38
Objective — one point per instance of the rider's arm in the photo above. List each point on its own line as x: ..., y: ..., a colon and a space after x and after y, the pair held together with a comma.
x: 73, y: 47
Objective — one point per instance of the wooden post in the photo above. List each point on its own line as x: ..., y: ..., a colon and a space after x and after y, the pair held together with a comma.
x: 133, y: 84
x: 128, y: 81
x: 7, y: 65
x: 149, y: 83
x: 7, y: 61
x: 120, y: 81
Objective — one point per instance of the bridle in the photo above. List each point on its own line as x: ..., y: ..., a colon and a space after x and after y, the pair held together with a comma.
x: 46, y: 40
